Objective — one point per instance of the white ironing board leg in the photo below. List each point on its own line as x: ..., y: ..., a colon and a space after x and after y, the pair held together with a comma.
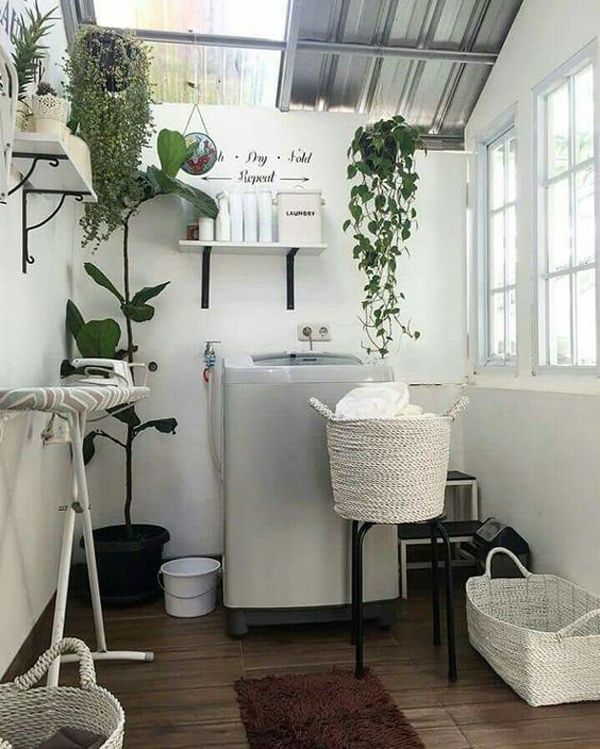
x: 80, y: 504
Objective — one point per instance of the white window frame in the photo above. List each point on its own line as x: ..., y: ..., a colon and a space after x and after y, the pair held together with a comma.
x: 566, y: 72
x: 503, y: 129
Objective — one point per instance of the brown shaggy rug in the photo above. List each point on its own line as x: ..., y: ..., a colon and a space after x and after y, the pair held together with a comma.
x: 322, y: 711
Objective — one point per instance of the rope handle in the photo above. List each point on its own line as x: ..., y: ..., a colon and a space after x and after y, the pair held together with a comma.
x: 456, y: 408
x: 584, y: 619
x: 322, y: 409
x: 501, y: 550
x: 87, y: 671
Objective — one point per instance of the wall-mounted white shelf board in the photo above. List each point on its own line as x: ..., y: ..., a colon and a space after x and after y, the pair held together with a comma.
x: 249, y: 248
x: 66, y: 177
x: 208, y: 247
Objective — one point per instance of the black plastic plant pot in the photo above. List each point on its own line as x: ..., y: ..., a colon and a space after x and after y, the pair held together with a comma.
x: 114, y: 52
x: 128, y: 565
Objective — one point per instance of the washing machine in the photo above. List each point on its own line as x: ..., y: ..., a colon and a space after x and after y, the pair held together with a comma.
x: 287, y: 554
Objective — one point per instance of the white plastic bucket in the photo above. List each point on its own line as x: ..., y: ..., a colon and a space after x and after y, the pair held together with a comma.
x: 190, y: 585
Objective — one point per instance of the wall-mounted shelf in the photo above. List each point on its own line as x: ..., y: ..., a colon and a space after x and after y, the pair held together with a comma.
x: 249, y: 248
x: 49, y: 166
x: 48, y: 163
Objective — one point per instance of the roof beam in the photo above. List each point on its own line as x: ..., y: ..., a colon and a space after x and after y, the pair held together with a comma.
x: 284, y: 94
x: 372, y: 50
x: 318, y: 47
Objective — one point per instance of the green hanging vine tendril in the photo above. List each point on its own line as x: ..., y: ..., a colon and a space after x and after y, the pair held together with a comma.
x: 382, y: 156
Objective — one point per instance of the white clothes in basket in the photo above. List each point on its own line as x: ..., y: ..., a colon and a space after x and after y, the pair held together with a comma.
x: 388, y: 400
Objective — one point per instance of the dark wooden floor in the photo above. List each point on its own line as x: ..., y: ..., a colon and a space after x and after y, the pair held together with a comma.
x: 186, y: 699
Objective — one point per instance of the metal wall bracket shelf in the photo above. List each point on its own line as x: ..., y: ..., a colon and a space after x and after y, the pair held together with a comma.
x: 26, y: 258
x: 53, y: 161
x: 249, y: 248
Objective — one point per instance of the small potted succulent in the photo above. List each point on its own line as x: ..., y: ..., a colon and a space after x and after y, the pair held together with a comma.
x: 50, y: 111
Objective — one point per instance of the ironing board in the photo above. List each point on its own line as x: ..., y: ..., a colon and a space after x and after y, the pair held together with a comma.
x: 74, y: 403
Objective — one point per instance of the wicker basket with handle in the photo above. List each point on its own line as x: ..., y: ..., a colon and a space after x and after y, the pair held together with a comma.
x: 389, y: 470
x: 30, y: 716
x: 540, y: 633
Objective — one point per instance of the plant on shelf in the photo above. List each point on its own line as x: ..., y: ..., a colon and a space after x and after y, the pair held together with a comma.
x: 29, y: 52
x: 50, y: 111
x: 383, y: 216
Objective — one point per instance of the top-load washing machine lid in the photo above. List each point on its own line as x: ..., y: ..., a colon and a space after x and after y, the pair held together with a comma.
x: 303, y: 367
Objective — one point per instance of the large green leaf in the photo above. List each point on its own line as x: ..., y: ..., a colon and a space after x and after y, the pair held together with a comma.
x: 172, y: 151
x: 138, y: 312
x: 74, y: 320
x: 148, y: 292
x: 99, y: 338
x: 203, y: 203
x: 166, y: 426
x: 102, y: 280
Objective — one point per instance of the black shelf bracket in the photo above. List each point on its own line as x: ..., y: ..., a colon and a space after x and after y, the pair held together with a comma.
x: 290, y: 261
x: 53, y: 161
x: 26, y: 258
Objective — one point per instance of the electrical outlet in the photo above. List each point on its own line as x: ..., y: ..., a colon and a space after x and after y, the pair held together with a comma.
x: 314, y: 331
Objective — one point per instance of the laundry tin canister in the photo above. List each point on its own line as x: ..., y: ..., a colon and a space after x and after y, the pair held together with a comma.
x: 299, y: 216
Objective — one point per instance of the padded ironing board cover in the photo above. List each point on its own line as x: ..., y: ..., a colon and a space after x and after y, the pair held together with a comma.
x: 64, y: 400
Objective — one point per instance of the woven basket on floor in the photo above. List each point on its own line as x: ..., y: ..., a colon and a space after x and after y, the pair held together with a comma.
x: 540, y: 633
x: 30, y: 716
x: 389, y: 470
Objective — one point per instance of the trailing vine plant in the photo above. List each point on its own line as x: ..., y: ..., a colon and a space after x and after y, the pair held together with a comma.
x: 111, y: 98
x: 383, y: 217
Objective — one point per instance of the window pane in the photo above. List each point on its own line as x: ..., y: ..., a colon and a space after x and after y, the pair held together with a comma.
x: 584, y: 216
x: 496, y: 157
x: 497, y: 336
x: 584, y: 114
x: 226, y: 17
x: 222, y: 75
x: 511, y: 245
x: 511, y: 171
x: 557, y: 108
x: 512, y: 325
x: 585, y: 290
x: 559, y: 299
x: 497, y: 250
x: 559, y: 252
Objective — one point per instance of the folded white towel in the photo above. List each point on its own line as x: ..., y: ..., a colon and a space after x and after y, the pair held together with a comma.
x: 385, y: 400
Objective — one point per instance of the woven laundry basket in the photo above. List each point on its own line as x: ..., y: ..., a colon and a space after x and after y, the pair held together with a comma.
x: 389, y: 470
x: 29, y: 716
x: 540, y: 633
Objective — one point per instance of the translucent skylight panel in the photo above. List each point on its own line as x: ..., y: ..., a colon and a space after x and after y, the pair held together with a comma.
x: 262, y: 19
x: 221, y: 75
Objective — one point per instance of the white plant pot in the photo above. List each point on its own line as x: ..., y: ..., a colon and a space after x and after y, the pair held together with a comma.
x: 50, y: 114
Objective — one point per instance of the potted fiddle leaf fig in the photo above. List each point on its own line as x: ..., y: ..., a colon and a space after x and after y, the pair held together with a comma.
x: 383, y: 217
x: 129, y: 555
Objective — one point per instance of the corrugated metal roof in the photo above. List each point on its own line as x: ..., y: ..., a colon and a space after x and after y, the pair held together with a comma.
x: 438, y: 95
x: 425, y: 59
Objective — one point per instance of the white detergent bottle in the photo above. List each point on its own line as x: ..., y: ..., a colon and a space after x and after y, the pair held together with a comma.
x: 250, y: 217
x: 236, y: 217
x: 265, y: 216
x: 223, y: 228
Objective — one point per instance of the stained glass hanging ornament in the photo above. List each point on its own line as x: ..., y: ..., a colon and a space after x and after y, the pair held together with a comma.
x: 205, y: 152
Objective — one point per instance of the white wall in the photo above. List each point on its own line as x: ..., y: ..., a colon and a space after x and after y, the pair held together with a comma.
x: 33, y: 480
x: 175, y: 484
x: 533, y: 441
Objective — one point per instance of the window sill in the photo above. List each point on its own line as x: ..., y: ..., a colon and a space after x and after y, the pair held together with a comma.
x: 555, y: 382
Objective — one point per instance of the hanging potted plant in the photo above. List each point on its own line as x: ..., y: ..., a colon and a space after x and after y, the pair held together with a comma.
x: 383, y: 217
x: 50, y: 111
x: 116, y: 124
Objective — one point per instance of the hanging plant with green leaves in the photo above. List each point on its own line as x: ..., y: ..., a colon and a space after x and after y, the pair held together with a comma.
x: 111, y: 97
x: 383, y: 218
